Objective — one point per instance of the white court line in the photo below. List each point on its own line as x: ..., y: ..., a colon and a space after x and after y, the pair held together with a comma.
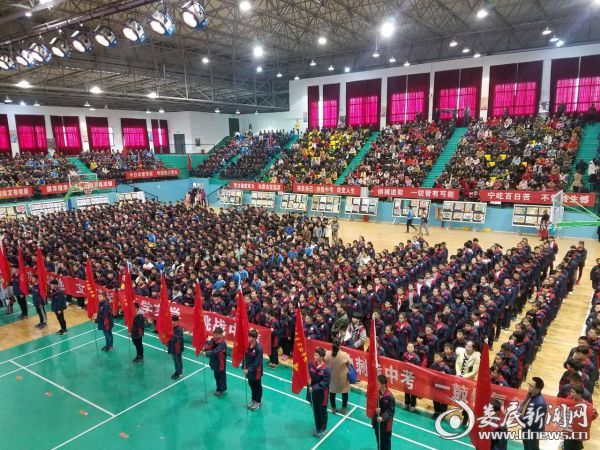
x: 127, y: 409
x: 335, y: 427
x: 79, y: 397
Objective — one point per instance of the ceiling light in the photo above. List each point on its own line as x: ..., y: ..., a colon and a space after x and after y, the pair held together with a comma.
x: 312, y: 63
x: 296, y: 78
x: 7, y: 99
x: 81, y: 42
x: 205, y: 60
x: 258, y: 51
x: 375, y: 54
x: 466, y: 50
x: 161, y: 111
x: 36, y: 103
x: 256, y: 111
x: 7, y: 63
x: 86, y: 105
x: 453, y: 43
x: 28, y: 14
x: 95, y: 90
x: 193, y: 15
x: 330, y: 68
x: 387, y: 29
x: 406, y: 63
x: 105, y: 106
x: 560, y: 43
x: 245, y: 6
x: 259, y: 69
x: 148, y: 111
x: 477, y: 55
x: 152, y: 95
x: 482, y: 13
x: 162, y: 23
x: 217, y: 110
x: 22, y: 103
x: 322, y: 40
x: 546, y: 31
x: 134, y: 31
x: 346, y: 69
x: 279, y: 74
x: 42, y: 2
x: 23, y: 84
x: 105, y: 37
x: 60, y: 48
x: 392, y: 60
x: 92, y: 109
x: 237, y: 111
x: 40, y: 53
x: 25, y: 58
x: 554, y: 39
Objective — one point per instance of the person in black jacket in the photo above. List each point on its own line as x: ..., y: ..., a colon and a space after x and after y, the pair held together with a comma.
x: 39, y: 303
x: 175, y: 347
x: 104, y: 319
x: 595, y: 275
x: 318, y: 390
x: 18, y: 295
x: 253, y: 369
x: 276, y: 334
x: 137, y: 333
x: 58, y: 304
x: 383, y: 419
x: 216, y: 351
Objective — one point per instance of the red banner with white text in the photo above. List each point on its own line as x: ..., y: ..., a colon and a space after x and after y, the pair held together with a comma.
x: 326, y: 189
x: 62, y: 188
x: 256, y: 186
x: 410, y: 192
x: 536, y: 198
x: 16, y: 192
x: 159, y: 173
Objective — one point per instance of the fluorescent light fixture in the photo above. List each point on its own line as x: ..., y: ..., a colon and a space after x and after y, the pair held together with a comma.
x: 387, y: 28
x: 245, y: 6
x: 7, y: 63
x: 256, y: 111
x: 279, y: 75
x: 217, y: 110
x: 258, y: 51
x: 22, y: 103
x: 237, y: 111
x: 161, y: 111
x: 205, y: 60
x: 95, y: 90
x: 148, y: 111
x: 81, y: 42
x: 105, y: 36
x: 86, y: 105
x: 92, y: 109
x: 134, y: 31
x: 546, y: 31
x: 7, y: 99
x: 406, y: 63
x: 28, y: 14
x: 312, y: 63
x: 482, y: 13
x: 322, y: 40
x: 330, y: 68
x: 392, y: 60
x: 24, y: 84
x: 560, y: 43
x: 60, y: 48
x: 554, y: 39
x: 259, y: 69
x: 153, y: 95
x: 346, y: 69
x: 453, y: 43
x: 296, y: 78
x: 193, y: 15
x: 466, y: 50
x: 376, y: 54
x: 477, y: 55
x: 162, y: 23
x: 36, y: 103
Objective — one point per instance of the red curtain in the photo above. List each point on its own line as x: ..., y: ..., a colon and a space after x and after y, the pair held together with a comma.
x: 31, y: 131
x: 4, y: 135
x: 363, y: 103
x: 470, y: 91
x: 407, y: 96
x: 135, y: 135
x: 67, y: 136
x: 516, y: 87
x: 331, y: 105
x: 313, y: 107
x: 589, y: 83
x: 98, y: 133
x: 160, y: 135
x: 457, y: 90
x: 563, y: 84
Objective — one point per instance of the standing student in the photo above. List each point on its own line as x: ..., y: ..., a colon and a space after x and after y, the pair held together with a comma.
x: 318, y: 390
x: 175, y: 348
x: 533, y: 412
x: 383, y: 420
x: 253, y: 363
x: 19, y: 295
x: 39, y: 303
x: 335, y: 228
x: 544, y: 225
x: 104, y: 319
x: 410, y: 215
x: 338, y: 361
x: 583, y: 253
x: 137, y: 333
x: 216, y: 351
x: 58, y: 304
x: 424, y: 223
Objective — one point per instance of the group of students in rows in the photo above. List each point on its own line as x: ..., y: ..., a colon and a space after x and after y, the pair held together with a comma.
x: 113, y: 165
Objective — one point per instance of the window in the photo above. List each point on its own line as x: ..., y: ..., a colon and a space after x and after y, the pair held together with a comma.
x: 331, y: 105
x: 362, y: 102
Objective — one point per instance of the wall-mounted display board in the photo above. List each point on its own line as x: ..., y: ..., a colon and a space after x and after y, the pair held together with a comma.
x: 294, y: 202
x: 232, y: 196
x: 43, y: 208
x: 472, y: 212
x: 401, y: 205
x: 262, y: 199
x: 362, y: 205
x: 326, y: 203
x: 529, y: 215
x: 90, y: 202
x: 13, y: 212
x: 131, y: 196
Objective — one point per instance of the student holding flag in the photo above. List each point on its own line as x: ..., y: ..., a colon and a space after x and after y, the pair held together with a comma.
x: 104, y: 319
x: 216, y: 351
x: 318, y: 390
x: 137, y: 333
x: 254, y: 369
x: 175, y: 346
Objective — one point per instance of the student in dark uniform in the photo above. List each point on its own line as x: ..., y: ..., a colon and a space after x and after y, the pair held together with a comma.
x: 384, y: 418
x: 276, y: 333
x: 175, y: 348
x: 253, y: 363
x: 19, y: 295
x: 318, y: 390
x: 137, y: 333
x: 39, y: 303
x: 58, y: 304
x: 216, y: 351
x: 104, y: 319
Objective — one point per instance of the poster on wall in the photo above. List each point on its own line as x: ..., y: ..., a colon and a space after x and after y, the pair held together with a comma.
x: 13, y: 212
x: 529, y: 215
x: 326, y: 203
x: 472, y: 212
x: 92, y: 201
x: 262, y: 199
x: 231, y: 196
x: 362, y: 205
x: 294, y: 202
x: 131, y: 196
x: 43, y: 208
x: 419, y: 207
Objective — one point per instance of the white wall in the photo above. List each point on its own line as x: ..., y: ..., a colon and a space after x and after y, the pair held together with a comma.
x: 299, y: 88
x: 271, y: 121
x: 210, y: 128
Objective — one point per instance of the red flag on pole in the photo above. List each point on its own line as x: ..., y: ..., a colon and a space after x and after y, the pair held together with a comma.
x: 41, y: 274
x: 240, y: 343
x: 199, y: 330
x: 23, y: 286
x: 4, y: 268
x: 128, y: 298
x: 164, y: 326
x: 372, y: 388
x: 189, y: 163
x: 91, y: 292
x: 300, y: 359
x: 115, y: 303
x: 483, y: 396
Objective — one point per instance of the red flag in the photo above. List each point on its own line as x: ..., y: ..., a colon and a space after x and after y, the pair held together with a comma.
x: 199, y: 330
x: 483, y: 396
x: 23, y: 286
x: 240, y: 343
x: 300, y: 360
x: 42, y: 274
x: 128, y: 299
x: 4, y: 268
x: 372, y: 388
x: 91, y: 292
x: 164, y: 326
x: 189, y: 164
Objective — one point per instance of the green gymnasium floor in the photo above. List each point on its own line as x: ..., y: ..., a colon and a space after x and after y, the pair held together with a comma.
x: 57, y: 393
x: 5, y: 319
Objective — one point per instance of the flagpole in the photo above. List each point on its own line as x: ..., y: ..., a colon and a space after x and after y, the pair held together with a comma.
x: 378, y: 423
x: 246, y: 383
x: 204, y: 375
x: 95, y: 338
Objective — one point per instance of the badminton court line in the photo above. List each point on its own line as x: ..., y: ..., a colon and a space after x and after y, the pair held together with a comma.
x: 288, y: 395
x: 114, y: 416
x: 77, y: 396
x: 335, y: 427
x: 350, y: 403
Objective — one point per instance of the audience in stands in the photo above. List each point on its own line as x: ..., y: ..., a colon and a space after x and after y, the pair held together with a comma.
x: 34, y: 170
x: 402, y: 155
x: 110, y: 166
x: 503, y: 153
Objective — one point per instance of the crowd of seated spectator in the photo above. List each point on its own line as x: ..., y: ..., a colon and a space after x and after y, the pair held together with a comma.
x: 219, y: 158
x: 254, y: 156
x: 108, y: 165
x: 34, y: 170
x: 319, y: 157
x: 533, y: 153
x: 402, y: 155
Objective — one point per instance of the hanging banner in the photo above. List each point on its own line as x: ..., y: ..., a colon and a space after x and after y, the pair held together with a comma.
x: 16, y: 192
x: 326, y: 189
x: 160, y: 173
x: 62, y: 188
x: 536, y: 198
x: 256, y: 186
x: 410, y: 192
